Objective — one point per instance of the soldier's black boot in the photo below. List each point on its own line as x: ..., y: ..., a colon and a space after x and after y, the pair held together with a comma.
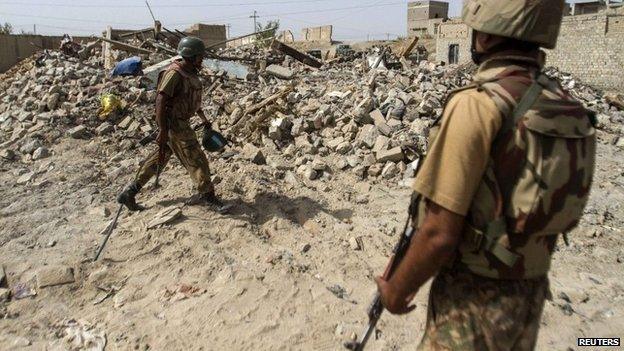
x: 128, y: 197
x: 211, y: 201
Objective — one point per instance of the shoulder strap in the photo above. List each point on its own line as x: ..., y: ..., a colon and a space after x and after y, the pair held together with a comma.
x: 528, y: 100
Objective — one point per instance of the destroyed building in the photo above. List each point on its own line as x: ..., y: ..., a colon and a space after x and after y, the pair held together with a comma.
x: 424, y: 17
x: 210, y: 34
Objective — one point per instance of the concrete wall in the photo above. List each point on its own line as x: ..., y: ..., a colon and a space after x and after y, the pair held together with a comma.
x: 322, y: 34
x: 591, y: 47
x: 425, y: 28
x: 241, y: 42
x: 208, y: 33
x: 453, y: 33
x: 14, y: 48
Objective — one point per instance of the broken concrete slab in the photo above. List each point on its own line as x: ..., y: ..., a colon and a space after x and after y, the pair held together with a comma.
x: 165, y: 216
x: 233, y: 69
x: 393, y: 155
x: 280, y: 72
x: 77, y: 132
x: 55, y: 275
x: 367, y: 136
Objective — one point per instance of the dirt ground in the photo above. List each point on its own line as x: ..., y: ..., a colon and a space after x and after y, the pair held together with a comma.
x: 278, y: 273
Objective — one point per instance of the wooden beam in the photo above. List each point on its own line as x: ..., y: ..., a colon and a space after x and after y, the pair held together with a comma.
x: 296, y: 54
x: 126, y: 47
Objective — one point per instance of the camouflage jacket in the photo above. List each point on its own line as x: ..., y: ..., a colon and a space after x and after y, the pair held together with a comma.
x: 187, y: 100
x: 537, y: 182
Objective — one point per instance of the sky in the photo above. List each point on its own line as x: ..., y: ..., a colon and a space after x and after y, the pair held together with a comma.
x: 353, y: 20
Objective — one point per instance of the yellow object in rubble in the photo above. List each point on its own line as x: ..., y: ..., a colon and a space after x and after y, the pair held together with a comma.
x: 110, y: 103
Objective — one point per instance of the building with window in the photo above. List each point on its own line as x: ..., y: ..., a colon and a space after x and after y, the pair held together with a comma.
x: 424, y: 17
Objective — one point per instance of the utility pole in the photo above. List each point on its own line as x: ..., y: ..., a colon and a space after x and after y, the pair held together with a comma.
x: 388, y: 35
x: 34, y: 29
x: 228, y: 26
x: 255, y: 18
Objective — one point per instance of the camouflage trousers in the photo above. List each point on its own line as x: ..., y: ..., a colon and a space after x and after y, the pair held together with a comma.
x: 470, y: 312
x: 183, y: 143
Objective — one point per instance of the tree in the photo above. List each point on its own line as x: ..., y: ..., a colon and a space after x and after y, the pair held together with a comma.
x: 7, y: 28
x: 262, y: 39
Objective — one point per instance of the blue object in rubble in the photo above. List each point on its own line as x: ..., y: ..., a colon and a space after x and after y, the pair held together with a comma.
x: 129, y: 67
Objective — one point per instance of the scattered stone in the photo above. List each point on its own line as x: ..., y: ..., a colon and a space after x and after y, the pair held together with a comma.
x: 375, y: 170
x: 306, y: 248
x: 392, y: 155
x: 280, y: 72
x: 367, y: 136
x: 30, y: 146
x: 7, y: 154
x: 41, y: 153
x: 354, y: 244
x: 22, y: 290
x: 5, y: 295
x: 77, y: 132
x: 25, y: 178
x: 104, y: 128
x: 390, y: 171
x: 253, y: 154
x: 55, y: 275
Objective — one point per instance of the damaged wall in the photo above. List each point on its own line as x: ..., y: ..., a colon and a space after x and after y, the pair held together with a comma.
x: 14, y: 48
x: 591, y: 47
x: 209, y: 33
x: 323, y: 33
x: 454, y: 39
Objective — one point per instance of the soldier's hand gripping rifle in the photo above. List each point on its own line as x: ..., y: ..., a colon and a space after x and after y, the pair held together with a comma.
x: 376, y: 308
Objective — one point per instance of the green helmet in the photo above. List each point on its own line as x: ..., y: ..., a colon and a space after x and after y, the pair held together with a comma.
x: 191, y: 46
x: 535, y: 21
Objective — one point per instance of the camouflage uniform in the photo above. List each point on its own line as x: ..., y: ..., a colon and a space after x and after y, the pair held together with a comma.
x: 185, y: 102
x: 534, y: 188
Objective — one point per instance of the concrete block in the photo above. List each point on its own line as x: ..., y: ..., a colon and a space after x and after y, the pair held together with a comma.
x: 280, y: 72
x: 393, y: 155
x: 54, y: 275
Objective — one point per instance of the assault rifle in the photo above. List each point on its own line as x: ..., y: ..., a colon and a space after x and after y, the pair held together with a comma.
x: 376, y: 308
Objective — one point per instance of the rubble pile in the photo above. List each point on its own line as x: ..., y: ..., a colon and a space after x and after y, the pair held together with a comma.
x: 54, y: 96
x: 343, y: 117
x: 609, y: 108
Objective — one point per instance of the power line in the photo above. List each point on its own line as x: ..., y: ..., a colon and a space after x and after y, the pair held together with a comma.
x: 165, y: 6
x: 74, y: 19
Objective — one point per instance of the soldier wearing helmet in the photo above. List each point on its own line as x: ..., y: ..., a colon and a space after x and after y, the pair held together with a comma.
x: 179, y: 98
x: 507, y: 174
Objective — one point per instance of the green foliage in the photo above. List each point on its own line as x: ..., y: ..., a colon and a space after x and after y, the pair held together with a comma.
x: 7, y: 28
x: 264, y: 39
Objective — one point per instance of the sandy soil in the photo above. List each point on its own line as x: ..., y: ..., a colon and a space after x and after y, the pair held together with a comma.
x: 278, y: 273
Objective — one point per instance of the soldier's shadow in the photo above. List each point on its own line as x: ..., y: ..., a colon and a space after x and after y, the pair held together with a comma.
x: 267, y: 206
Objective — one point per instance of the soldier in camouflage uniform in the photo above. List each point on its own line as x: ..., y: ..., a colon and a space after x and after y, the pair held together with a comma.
x: 179, y: 98
x: 507, y: 173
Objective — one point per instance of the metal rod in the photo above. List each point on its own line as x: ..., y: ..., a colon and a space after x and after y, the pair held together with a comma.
x: 108, y: 234
x: 150, y: 10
